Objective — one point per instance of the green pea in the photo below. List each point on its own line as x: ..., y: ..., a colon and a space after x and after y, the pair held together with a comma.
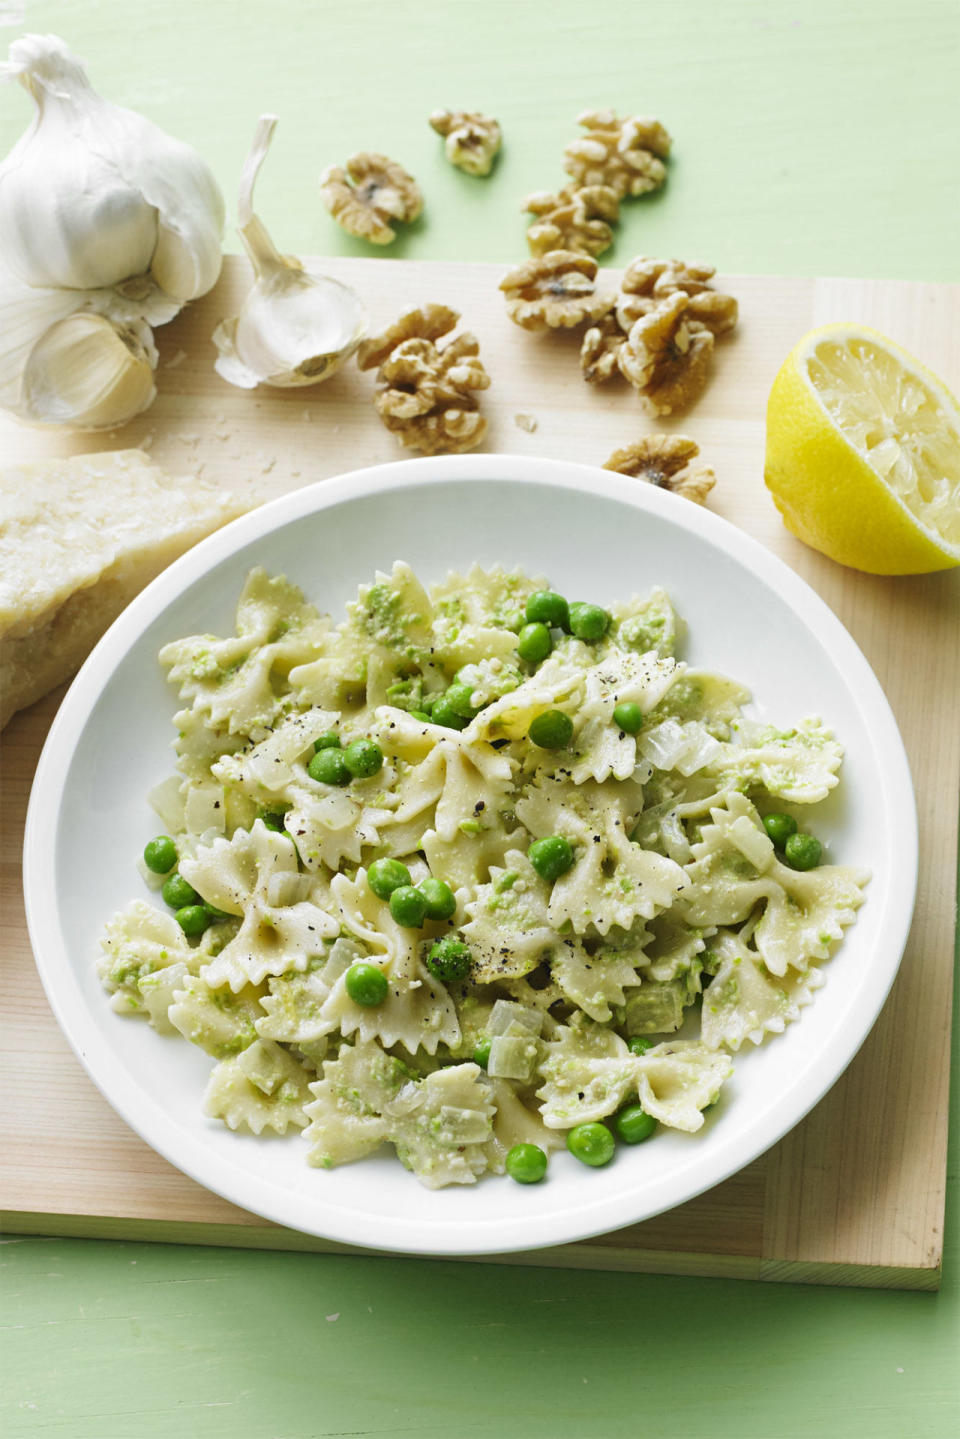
x: 420, y: 715
x: 639, y: 1044
x: 330, y: 740
x: 481, y: 1055
x: 160, y: 855
x: 328, y: 766
x: 439, y: 898
x: 363, y: 758
x: 633, y: 1124
x: 551, y: 730
x: 444, y: 713
x: 526, y: 1163
x: 449, y: 960
x: 546, y: 607
x: 588, y: 622
x: 366, y: 984
x: 534, y: 643
x: 408, y: 906
x: 551, y: 856
x: 178, y: 894
x: 386, y: 875
x: 271, y: 820
x: 802, y: 851
x: 592, y: 1144
x: 193, y: 918
x: 628, y: 717
x: 779, y: 827
x: 514, y: 620
x: 458, y: 698
x: 427, y: 703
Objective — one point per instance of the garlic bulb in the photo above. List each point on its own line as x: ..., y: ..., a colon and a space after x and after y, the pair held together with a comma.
x: 297, y: 326
x: 107, y: 226
x: 96, y: 197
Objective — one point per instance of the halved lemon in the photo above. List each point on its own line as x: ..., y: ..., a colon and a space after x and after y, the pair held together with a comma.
x: 863, y: 453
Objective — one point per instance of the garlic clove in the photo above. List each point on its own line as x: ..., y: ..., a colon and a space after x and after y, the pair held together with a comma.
x: 297, y: 326
x: 89, y: 373
x: 289, y: 335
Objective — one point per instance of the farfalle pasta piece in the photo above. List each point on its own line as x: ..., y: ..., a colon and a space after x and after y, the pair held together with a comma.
x: 239, y: 876
x: 556, y: 684
x: 743, y: 1001
x: 672, y: 948
x: 514, y: 1123
x: 597, y: 979
x: 600, y: 748
x: 508, y: 929
x: 264, y: 770
x: 713, y: 700
x: 264, y: 1088
x: 612, y: 881
x: 442, y: 1124
x: 471, y: 614
x: 219, y: 1021
x: 293, y: 1008
x: 346, y: 1111
x: 417, y: 1011
x: 648, y: 623
x: 587, y: 1073
x: 678, y: 1080
x: 240, y: 681
x: 136, y: 943
x: 735, y: 869
x: 797, y: 764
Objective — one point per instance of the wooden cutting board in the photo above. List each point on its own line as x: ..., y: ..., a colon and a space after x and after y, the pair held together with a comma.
x: 855, y: 1194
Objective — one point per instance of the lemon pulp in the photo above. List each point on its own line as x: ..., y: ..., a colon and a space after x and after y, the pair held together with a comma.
x: 897, y: 422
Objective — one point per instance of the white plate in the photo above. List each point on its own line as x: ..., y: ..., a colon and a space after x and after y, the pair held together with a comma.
x: 598, y: 536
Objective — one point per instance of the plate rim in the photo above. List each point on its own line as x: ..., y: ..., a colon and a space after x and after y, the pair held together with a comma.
x: 333, y: 1222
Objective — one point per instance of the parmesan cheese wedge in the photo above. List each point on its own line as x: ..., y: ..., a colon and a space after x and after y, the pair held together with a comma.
x: 78, y: 539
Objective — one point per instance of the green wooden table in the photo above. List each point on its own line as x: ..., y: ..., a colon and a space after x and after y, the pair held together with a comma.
x: 811, y: 138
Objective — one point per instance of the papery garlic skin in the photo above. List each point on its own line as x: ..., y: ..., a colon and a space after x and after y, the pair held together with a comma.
x: 297, y: 326
x: 97, y: 197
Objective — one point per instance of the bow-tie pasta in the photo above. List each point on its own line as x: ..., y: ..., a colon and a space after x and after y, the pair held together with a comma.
x: 470, y: 869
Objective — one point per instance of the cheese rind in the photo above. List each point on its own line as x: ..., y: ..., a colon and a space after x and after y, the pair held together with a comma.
x: 78, y: 539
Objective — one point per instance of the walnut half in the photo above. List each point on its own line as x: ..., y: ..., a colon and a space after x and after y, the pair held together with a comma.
x: 666, y: 461
x: 472, y: 139
x: 666, y: 356
x: 426, y: 393
x: 368, y: 193
x: 646, y: 281
x: 556, y: 291
x: 572, y: 219
x: 627, y: 155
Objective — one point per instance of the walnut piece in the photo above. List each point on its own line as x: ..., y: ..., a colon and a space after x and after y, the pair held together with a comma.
x: 666, y: 461
x: 666, y: 355
x: 555, y: 291
x: 472, y: 139
x: 600, y: 348
x: 426, y: 393
x: 647, y: 281
x: 572, y: 219
x: 626, y: 155
x: 368, y: 193
x: 429, y: 322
